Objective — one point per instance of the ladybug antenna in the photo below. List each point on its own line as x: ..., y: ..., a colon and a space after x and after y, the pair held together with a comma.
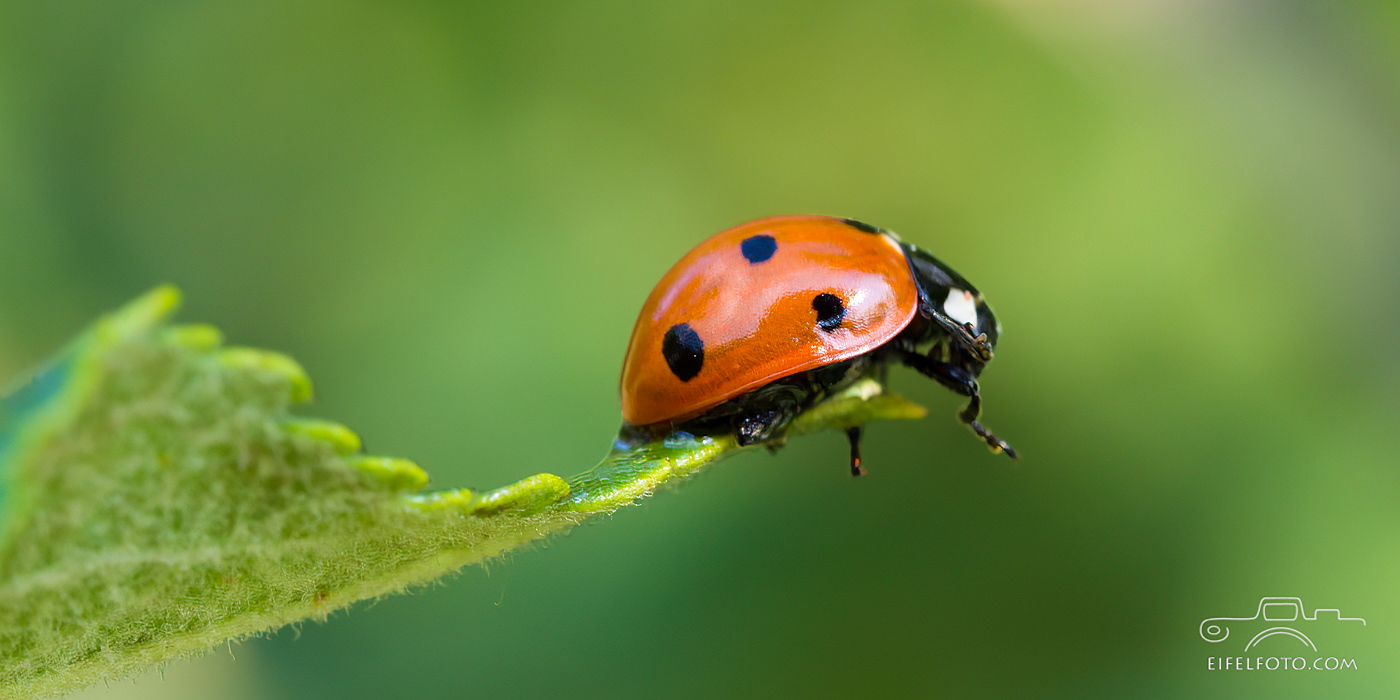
x: 853, y: 434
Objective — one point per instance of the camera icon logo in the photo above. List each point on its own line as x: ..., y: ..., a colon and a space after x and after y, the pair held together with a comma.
x: 1271, y: 610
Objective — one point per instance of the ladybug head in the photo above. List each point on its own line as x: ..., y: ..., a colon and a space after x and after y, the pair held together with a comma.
x: 953, y: 304
x: 962, y: 325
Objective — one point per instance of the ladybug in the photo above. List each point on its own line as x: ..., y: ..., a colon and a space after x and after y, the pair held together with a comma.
x: 766, y: 319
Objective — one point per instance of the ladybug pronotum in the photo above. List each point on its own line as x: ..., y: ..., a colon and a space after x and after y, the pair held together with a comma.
x: 764, y: 320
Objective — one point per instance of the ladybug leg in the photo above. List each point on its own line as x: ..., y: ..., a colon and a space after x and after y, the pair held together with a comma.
x: 959, y: 381
x: 961, y: 333
x: 969, y: 417
x: 853, y: 434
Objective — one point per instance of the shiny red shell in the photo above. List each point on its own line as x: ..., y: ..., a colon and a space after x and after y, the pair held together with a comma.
x: 757, y: 320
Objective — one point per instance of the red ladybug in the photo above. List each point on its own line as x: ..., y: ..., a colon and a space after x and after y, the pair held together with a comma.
x: 766, y: 319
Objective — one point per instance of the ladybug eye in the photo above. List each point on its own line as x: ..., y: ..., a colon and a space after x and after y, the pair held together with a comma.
x: 830, y: 311
x: 684, y: 351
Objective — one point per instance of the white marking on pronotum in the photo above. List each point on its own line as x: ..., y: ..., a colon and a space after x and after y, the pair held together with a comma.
x: 961, y: 306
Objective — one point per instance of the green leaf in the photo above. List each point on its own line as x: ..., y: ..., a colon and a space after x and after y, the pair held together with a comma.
x: 157, y: 498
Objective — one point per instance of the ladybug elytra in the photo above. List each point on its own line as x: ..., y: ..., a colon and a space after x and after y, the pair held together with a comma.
x: 764, y: 320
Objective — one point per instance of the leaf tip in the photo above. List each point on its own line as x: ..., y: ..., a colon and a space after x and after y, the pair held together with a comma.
x: 525, y: 497
x: 159, y: 303
x: 342, y: 439
x: 200, y: 337
x: 298, y: 381
x: 459, y: 499
x: 397, y: 474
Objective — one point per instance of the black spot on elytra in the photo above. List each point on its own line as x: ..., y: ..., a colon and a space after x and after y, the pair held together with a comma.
x: 757, y: 249
x: 830, y: 311
x: 861, y: 226
x: 684, y: 351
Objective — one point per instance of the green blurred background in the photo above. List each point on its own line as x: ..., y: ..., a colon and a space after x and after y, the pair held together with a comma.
x: 1185, y: 214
